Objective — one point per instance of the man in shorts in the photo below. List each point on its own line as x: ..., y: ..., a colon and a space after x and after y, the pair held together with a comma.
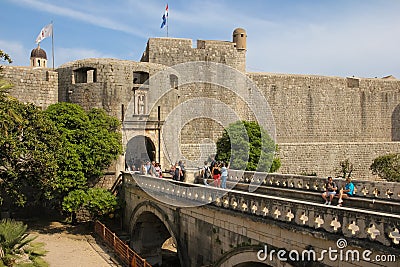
x: 346, y: 192
x: 330, y: 191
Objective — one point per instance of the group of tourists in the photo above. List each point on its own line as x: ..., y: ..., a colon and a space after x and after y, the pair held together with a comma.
x: 178, y: 171
x: 151, y: 168
x: 218, y: 171
x: 331, y: 190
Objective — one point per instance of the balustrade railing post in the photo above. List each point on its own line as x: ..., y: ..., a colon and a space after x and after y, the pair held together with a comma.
x: 133, y: 262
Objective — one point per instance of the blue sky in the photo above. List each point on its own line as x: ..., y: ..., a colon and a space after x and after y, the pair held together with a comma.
x: 326, y: 37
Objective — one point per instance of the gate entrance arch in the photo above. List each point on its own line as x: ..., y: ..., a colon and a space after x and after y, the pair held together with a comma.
x: 139, y: 150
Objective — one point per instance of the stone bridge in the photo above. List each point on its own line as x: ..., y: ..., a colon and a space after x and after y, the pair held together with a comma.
x: 282, y: 223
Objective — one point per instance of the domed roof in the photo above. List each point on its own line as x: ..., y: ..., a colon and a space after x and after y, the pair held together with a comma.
x: 39, y: 53
x: 239, y: 30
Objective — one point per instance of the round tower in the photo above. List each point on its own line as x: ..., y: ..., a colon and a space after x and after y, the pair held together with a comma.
x: 239, y: 37
x: 38, y: 57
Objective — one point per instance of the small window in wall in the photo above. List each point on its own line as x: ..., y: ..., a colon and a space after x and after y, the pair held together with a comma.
x: 140, y: 77
x: 353, y: 82
x: 173, y: 80
x: 38, y: 62
x: 85, y: 75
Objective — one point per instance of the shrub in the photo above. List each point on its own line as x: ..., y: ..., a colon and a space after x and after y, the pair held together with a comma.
x: 387, y: 167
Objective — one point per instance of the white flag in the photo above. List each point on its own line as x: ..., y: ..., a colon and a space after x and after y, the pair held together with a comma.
x: 47, y: 31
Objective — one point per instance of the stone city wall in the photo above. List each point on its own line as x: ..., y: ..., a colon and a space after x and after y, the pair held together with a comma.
x: 111, y: 87
x: 310, y: 108
x: 324, y: 158
x: 172, y: 51
x: 33, y: 85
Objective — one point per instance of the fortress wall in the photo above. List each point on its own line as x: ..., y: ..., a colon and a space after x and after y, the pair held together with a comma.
x: 112, y: 88
x: 33, y: 85
x: 321, y: 121
x: 172, y: 51
x: 324, y: 158
x: 201, y: 122
x: 331, y: 109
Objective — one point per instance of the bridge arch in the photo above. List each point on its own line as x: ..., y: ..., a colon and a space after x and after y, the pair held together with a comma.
x: 139, y: 149
x: 246, y: 256
x: 150, y: 228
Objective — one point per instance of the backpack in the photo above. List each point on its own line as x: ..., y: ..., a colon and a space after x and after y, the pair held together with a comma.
x: 206, y: 172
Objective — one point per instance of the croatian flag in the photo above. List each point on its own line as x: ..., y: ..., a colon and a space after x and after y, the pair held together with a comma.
x: 164, y: 17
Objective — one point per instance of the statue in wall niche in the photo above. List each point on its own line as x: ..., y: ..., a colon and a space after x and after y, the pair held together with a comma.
x: 141, y: 104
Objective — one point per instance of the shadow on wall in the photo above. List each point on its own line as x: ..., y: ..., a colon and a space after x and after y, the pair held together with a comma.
x: 139, y: 150
x: 396, y: 124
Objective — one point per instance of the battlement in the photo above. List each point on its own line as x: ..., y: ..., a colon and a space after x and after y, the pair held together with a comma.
x: 172, y: 51
x: 214, y: 44
x: 33, y: 84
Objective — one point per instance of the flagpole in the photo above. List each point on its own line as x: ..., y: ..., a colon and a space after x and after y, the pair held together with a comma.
x: 167, y: 21
x: 52, y: 42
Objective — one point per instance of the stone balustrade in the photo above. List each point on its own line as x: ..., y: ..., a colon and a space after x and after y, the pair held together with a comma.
x: 349, y: 222
x: 370, y: 189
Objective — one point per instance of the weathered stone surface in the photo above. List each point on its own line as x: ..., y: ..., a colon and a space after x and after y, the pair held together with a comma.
x: 319, y: 120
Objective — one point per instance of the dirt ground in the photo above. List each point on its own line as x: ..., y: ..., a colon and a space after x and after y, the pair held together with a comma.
x: 71, y: 245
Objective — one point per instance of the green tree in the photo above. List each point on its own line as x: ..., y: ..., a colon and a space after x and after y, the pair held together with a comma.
x: 248, y: 147
x: 5, y: 57
x: 92, y: 140
x: 16, y: 243
x: 28, y: 142
x: 346, y: 168
x: 387, y: 167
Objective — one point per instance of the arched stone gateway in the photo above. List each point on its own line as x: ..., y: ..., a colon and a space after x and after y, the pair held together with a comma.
x: 150, y: 229
x: 138, y: 150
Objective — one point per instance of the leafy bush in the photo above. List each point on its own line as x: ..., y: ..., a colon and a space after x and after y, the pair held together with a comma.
x: 97, y: 201
x: 387, y: 167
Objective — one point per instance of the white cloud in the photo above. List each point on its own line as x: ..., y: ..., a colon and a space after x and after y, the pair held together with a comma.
x: 86, y: 16
x: 18, y: 53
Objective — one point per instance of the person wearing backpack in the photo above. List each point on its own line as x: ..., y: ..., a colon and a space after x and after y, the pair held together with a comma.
x: 205, y: 173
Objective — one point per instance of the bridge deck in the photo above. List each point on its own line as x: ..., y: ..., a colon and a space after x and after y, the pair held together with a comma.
x: 364, y: 218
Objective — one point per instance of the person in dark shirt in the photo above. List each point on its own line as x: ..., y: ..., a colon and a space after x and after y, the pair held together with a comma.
x: 330, y: 191
x: 216, y: 175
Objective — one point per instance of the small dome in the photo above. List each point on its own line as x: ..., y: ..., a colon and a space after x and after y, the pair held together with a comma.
x: 239, y: 31
x: 38, y: 53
